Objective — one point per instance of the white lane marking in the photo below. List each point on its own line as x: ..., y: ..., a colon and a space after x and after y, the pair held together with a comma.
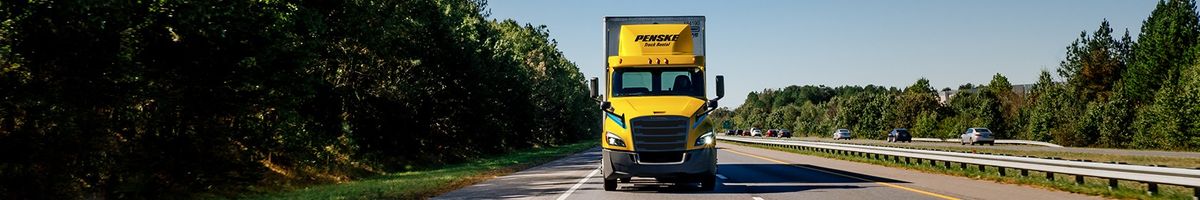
x: 581, y: 181
x: 722, y: 177
x: 757, y: 198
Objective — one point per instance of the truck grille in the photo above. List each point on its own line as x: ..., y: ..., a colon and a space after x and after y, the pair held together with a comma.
x: 659, y: 133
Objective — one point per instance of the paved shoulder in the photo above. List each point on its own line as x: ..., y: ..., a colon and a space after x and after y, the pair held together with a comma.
x: 911, y: 181
x: 546, y: 181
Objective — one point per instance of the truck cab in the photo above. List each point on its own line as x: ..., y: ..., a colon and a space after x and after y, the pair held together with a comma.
x: 655, y: 101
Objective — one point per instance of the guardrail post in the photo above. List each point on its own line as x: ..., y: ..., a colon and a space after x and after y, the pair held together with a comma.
x: 907, y: 161
x: 1195, y: 193
x: 1151, y: 188
x: 1025, y: 172
x: 1078, y: 179
x: 982, y: 169
x: 1050, y: 176
x: 962, y: 166
x: 1001, y: 171
x: 1112, y: 184
x: 947, y: 166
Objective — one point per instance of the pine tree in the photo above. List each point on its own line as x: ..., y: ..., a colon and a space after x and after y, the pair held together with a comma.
x: 1162, y: 49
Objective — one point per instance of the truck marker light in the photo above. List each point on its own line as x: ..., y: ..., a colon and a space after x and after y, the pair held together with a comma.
x: 616, y: 119
x: 698, y: 120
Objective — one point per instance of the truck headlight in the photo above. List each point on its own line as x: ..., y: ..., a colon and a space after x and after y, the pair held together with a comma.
x: 705, y: 139
x: 614, y: 140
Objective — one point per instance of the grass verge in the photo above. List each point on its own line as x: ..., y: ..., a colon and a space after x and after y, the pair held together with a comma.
x: 1091, y: 186
x: 427, y: 183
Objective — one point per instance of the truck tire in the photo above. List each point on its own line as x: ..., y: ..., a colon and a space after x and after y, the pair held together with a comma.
x: 708, y: 182
x: 610, y: 185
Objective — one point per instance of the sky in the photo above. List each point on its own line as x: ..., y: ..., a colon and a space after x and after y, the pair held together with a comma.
x: 773, y: 44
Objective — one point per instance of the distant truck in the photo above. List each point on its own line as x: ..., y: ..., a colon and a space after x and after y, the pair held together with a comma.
x: 655, y: 102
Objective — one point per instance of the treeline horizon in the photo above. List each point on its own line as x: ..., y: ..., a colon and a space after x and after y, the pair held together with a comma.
x: 203, y: 99
x: 1113, y: 93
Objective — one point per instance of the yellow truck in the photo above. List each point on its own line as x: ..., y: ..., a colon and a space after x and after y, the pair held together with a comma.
x: 655, y: 101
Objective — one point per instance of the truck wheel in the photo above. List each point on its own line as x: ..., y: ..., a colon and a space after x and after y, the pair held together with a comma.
x: 610, y: 185
x: 708, y: 182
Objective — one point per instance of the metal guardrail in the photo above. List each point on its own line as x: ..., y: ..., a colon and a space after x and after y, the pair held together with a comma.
x: 1024, y: 142
x: 1152, y: 176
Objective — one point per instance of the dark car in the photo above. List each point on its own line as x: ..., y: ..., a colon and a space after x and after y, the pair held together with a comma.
x: 784, y: 133
x: 730, y: 132
x: 899, y: 135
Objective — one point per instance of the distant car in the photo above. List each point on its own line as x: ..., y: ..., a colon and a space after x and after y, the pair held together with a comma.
x: 772, y: 133
x: 899, y: 135
x: 784, y: 133
x: 978, y: 136
x: 841, y: 134
x: 755, y: 132
x: 730, y: 132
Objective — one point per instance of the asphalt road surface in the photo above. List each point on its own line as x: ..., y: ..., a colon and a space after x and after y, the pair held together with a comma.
x: 748, y: 173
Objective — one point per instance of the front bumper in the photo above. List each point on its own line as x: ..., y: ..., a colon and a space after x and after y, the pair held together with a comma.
x: 624, y: 164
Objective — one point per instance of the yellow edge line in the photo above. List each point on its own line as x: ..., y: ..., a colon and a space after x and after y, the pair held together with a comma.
x: 848, y: 176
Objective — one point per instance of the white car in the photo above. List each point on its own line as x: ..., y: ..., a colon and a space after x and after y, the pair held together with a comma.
x: 755, y: 132
x: 841, y: 134
x: 978, y: 136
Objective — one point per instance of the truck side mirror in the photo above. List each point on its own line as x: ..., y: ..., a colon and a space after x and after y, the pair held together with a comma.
x: 720, y: 86
x: 594, y: 87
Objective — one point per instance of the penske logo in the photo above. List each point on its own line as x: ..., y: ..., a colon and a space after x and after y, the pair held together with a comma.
x: 656, y: 38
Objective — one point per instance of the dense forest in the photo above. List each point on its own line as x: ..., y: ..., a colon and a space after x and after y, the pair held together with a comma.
x: 1109, y: 92
x: 169, y: 99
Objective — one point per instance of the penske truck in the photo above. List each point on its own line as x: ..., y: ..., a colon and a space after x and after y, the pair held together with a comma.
x: 654, y: 102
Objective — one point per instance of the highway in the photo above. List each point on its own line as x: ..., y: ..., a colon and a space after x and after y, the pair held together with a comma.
x: 749, y: 173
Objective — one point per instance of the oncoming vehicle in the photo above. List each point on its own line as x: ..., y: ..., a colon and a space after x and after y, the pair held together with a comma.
x: 841, y: 134
x: 977, y: 136
x: 784, y: 133
x: 899, y: 135
x: 655, y: 102
x: 754, y: 132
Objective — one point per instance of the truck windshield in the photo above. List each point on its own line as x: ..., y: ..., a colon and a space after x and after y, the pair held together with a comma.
x: 685, y: 81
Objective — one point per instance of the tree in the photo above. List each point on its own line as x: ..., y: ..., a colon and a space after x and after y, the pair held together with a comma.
x: 1007, y: 106
x: 1161, y: 50
x: 1165, y: 47
x: 1094, y: 63
x: 1042, y: 112
x: 916, y: 100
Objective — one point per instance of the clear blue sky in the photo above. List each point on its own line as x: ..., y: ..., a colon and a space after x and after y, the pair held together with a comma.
x: 773, y: 44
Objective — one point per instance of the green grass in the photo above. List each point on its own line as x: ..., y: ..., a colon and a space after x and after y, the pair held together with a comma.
x: 1091, y: 186
x: 427, y: 183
